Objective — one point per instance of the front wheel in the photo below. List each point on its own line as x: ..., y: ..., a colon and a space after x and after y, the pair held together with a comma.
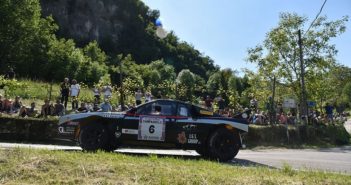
x: 223, y: 145
x: 93, y: 137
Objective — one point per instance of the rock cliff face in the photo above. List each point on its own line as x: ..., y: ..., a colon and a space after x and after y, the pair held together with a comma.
x: 87, y: 20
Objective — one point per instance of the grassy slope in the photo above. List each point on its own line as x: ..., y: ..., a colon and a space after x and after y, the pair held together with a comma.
x: 24, y: 166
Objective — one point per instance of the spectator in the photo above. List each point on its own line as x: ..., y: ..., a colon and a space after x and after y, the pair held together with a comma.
x: 22, y: 112
x: 253, y: 104
x: 30, y: 112
x: 329, y: 111
x: 283, y: 119
x: 158, y: 95
x: 148, y: 97
x: 106, y: 106
x: 138, y: 96
x: 96, y: 107
x: 1, y: 103
x: 17, y: 104
x: 64, y: 88
x: 82, y: 108
x: 46, y: 109
x: 107, y: 90
x: 96, y: 93
x: 221, y: 104
x: 208, y: 102
x: 75, y: 91
x: 10, y: 74
x: 59, y: 109
x: 7, y: 107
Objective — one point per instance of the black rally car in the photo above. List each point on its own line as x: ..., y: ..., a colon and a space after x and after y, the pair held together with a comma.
x: 158, y: 124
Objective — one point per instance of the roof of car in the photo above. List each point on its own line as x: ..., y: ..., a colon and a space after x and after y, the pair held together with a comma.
x: 178, y: 101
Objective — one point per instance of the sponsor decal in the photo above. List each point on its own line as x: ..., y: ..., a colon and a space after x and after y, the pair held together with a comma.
x: 181, y: 138
x: 66, y: 130
x: 208, y: 113
x: 111, y: 115
x: 72, y: 123
x: 189, y: 127
x: 151, y: 128
x: 130, y: 131
x: 193, y: 139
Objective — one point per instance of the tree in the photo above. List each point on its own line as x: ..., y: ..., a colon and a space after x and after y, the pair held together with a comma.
x: 21, y: 31
x: 186, y: 81
x: 279, y: 54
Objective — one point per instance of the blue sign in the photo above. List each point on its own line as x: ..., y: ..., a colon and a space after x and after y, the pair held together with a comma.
x: 311, y: 103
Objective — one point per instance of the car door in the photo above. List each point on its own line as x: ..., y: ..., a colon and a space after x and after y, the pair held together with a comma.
x: 186, y: 128
x: 150, y: 123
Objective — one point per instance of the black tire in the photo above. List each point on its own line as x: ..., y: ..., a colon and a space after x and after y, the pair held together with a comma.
x: 203, y: 151
x: 93, y: 137
x: 223, y: 145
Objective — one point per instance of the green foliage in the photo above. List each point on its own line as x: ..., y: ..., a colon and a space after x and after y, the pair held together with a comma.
x: 278, y: 55
x: 186, y: 80
x: 10, y: 86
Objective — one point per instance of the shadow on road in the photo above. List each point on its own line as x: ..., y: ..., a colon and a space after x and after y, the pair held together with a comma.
x: 343, y: 149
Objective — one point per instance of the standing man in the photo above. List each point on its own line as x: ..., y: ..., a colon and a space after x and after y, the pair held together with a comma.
x: 64, y: 87
x: 10, y: 74
x: 107, y: 90
x: 329, y: 111
x: 138, y: 96
x: 75, y: 90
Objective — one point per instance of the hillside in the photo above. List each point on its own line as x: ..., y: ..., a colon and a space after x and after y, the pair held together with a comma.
x: 124, y: 26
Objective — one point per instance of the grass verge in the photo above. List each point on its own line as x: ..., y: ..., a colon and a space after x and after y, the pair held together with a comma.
x: 26, y: 166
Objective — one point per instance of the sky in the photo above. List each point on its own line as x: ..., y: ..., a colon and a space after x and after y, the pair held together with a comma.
x: 225, y: 29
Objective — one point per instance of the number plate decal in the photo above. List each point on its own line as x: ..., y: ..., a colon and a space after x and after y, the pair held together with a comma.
x: 151, y: 128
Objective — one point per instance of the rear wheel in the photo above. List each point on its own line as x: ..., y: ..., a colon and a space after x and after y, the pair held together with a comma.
x: 93, y: 137
x: 223, y: 145
x: 203, y: 151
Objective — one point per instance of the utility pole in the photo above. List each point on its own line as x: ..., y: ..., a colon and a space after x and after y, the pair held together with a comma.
x: 273, y: 112
x: 303, y: 99
x: 121, y: 92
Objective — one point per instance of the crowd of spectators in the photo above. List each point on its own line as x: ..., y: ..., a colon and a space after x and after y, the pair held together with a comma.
x: 102, y: 96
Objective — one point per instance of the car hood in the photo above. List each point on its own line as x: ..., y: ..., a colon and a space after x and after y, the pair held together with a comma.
x: 70, y: 117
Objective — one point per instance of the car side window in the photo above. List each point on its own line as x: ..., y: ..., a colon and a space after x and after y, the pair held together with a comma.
x: 164, y: 108
x: 183, y: 110
x: 145, y: 110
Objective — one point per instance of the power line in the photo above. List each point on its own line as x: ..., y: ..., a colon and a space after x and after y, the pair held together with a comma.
x: 320, y: 11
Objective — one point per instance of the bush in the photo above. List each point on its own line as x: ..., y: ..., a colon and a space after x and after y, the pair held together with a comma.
x: 27, y: 129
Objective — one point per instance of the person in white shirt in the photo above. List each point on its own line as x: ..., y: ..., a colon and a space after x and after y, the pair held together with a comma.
x: 74, y: 93
x: 138, y: 96
x: 107, y: 90
x: 148, y: 97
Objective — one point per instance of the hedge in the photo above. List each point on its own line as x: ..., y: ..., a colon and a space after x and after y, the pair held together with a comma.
x: 27, y: 129
x: 276, y: 135
x: 32, y: 129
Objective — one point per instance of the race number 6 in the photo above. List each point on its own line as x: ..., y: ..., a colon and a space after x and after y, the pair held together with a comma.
x: 152, y: 129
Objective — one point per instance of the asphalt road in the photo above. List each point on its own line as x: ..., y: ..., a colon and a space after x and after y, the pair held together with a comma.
x: 333, y: 160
